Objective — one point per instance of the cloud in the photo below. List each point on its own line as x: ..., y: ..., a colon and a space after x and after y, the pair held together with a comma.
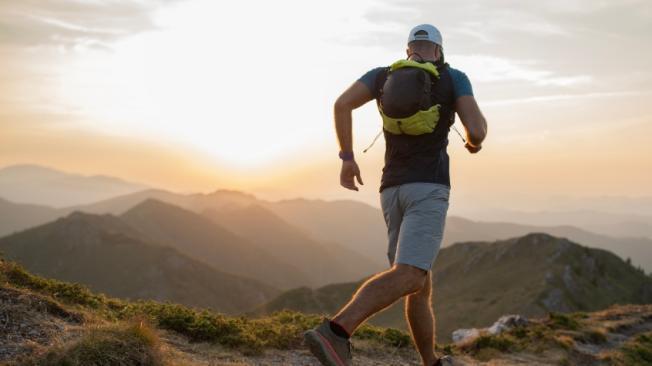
x: 485, y: 68
x: 60, y: 22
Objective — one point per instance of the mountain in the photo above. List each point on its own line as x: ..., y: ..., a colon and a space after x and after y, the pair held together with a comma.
x: 356, y: 227
x: 322, y: 262
x: 354, y: 224
x: 36, y: 184
x: 362, y: 226
x: 197, y: 202
x: 108, y: 255
x: 628, y: 217
x: 637, y: 249
x: 204, y: 240
x: 477, y: 282
x: 16, y: 217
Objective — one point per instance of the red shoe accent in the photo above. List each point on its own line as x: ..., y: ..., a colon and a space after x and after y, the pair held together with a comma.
x: 332, y: 350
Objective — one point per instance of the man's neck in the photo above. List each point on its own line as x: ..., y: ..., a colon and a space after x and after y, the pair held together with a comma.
x: 415, y: 57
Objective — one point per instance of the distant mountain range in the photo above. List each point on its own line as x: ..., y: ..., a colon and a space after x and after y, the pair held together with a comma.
x: 247, y: 241
x: 636, y: 223
x: 343, y: 228
x: 106, y: 254
x: 34, y: 184
x: 476, y: 282
x: 363, y: 226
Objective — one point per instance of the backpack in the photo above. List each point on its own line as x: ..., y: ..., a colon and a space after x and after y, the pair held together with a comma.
x: 405, y: 101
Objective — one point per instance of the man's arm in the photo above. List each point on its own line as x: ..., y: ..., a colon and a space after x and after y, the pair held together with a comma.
x: 473, y: 120
x: 355, y: 96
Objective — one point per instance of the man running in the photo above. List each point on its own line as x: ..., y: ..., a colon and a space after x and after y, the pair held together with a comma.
x: 414, y: 194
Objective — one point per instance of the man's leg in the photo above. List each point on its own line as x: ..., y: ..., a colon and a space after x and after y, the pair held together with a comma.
x: 379, y: 292
x: 421, y: 321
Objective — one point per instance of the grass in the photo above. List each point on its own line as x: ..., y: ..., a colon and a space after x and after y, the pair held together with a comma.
x: 68, y: 292
x: 638, y: 352
x: 565, y: 321
x: 281, y: 330
x: 134, y: 345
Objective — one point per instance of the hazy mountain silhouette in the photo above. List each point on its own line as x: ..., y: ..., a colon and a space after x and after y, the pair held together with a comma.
x: 322, y: 262
x: 201, y: 239
x: 16, y: 217
x: 635, y: 222
x: 350, y: 223
x: 476, y: 282
x: 45, y: 186
x: 109, y: 256
x: 353, y: 225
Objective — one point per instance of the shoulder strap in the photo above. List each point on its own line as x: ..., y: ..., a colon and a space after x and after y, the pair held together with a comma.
x: 380, y: 81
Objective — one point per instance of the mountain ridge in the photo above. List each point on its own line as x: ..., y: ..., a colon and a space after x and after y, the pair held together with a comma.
x: 477, y: 282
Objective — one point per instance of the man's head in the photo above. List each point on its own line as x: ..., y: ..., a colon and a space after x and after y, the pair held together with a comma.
x: 425, y: 43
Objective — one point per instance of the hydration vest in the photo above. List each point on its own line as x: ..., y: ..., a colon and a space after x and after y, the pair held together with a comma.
x: 416, y: 152
x: 406, y: 102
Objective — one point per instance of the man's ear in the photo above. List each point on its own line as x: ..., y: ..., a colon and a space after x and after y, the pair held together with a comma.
x: 407, y: 52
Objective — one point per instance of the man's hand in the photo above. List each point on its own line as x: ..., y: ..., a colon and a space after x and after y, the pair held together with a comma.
x: 473, y: 148
x: 349, y: 171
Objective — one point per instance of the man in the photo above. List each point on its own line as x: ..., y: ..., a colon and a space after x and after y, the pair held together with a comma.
x: 414, y: 198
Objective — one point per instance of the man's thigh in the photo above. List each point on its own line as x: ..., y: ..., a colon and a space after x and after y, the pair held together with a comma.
x: 393, y: 214
x: 421, y: 231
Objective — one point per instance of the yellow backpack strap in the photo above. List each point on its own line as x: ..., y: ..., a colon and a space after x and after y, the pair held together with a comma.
x: 427, y: 66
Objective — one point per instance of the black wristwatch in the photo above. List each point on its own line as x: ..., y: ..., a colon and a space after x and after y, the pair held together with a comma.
x: 346, y: 155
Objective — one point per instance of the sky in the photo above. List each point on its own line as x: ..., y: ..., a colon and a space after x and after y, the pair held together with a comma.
x: 196, y: 95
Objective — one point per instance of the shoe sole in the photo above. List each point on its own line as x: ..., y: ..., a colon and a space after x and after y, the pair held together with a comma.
x: 321, y: 348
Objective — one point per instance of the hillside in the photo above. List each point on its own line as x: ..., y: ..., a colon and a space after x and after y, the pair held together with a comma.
x: 16, y: 217
x: 477, y: 282
x: 637, y: 249
x: 208, y: 242
x: 109, y: 256
x: 47, y: 322
x: 321, y: 262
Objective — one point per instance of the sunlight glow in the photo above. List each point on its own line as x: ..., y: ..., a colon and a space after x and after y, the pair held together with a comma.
x: 246, y: 93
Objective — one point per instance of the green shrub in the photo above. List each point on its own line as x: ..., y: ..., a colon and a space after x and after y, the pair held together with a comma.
x: 638, y: 351
x: 595, y: 336
x: 69, y: 292
x: 563, y: 321
x: 485, y: 345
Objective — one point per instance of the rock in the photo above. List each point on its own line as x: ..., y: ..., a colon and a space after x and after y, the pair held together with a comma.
x: 504, y: 323
x: 507, y: 322
x: 464, y: 335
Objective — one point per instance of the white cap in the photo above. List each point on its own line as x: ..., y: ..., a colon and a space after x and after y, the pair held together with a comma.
x: 425, y: 32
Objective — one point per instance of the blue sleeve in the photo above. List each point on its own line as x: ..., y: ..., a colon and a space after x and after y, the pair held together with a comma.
x: 369, y: 79
x: 461, y: 83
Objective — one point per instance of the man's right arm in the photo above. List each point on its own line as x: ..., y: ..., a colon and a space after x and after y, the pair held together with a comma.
x: 355, y: 96
x: 473, y: 120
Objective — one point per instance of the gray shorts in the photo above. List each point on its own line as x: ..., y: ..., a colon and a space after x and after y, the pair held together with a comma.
x: 415, y: 214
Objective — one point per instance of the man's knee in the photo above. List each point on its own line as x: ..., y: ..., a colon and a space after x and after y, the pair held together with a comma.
x: 413, y: 278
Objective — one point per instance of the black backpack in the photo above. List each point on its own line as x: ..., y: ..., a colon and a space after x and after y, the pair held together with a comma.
x: 405, y: 100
